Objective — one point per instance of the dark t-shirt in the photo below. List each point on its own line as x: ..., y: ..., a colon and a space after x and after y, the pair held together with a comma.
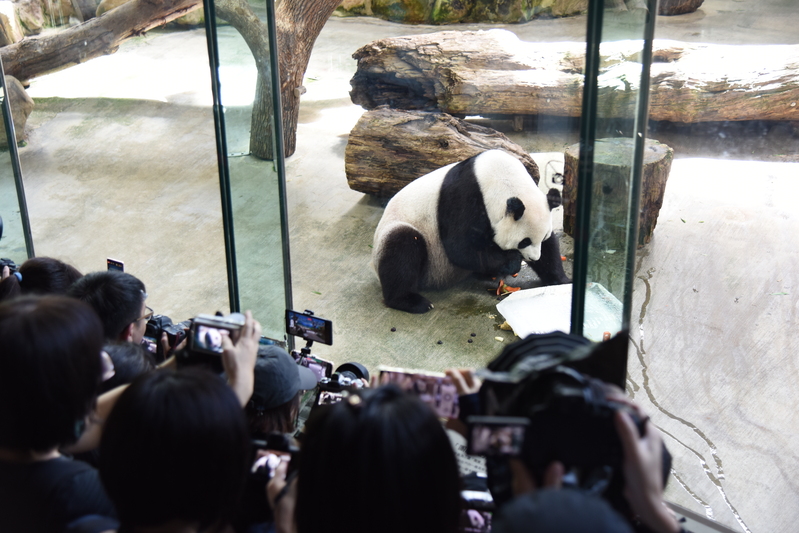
x: 45, y: 496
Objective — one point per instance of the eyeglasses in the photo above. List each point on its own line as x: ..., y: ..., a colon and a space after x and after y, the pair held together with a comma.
x: 147, y: 316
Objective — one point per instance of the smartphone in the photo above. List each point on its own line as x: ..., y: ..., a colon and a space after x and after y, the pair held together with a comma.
x: 320, y: 367
x: 475, y: 521
x: 433, y: 388
x: 309, y: 327
x: 326, y: 397
x: 115, y: 264
x: 207, y: 331
x: 496, y: 435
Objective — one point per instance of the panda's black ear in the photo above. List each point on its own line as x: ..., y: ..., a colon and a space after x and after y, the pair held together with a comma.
x: 554, y: 199
x: 515, y: 208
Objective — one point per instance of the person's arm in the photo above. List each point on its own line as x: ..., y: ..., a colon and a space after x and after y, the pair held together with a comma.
x: 643, y: 474
x: 281, y: 492
x: 468, y: 385
x: 239, y: 359
x: 239, y: 362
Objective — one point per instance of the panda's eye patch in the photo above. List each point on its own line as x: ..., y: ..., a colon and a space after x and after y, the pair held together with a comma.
x: 525, y: 243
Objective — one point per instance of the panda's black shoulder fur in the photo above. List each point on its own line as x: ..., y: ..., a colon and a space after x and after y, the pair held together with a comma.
x: 463, y: 222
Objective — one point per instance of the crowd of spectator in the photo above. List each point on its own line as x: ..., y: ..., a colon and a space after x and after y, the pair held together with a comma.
x: 97, y: 435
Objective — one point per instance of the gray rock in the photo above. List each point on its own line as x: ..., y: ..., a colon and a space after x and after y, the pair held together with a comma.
x: 21, y: 107
x: 678, y: 7
x: 10, y: 28
x: 31, y: 16
x: 454, y: 11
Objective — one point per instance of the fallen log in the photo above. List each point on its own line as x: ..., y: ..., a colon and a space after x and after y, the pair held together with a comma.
x: 493, y: 72
x: 35, y: 56
x: 389, y: 148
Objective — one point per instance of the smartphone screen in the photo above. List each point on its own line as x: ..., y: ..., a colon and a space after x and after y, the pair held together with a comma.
x: 207, y: 337
x: 433, y: 388
x: 327, y: 397
x: 495, y: 436
x: 115, y: 264
x: 475, y: 521
x: 309, y: 327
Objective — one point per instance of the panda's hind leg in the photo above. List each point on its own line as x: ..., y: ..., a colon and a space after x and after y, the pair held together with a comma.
x: 401, y: 268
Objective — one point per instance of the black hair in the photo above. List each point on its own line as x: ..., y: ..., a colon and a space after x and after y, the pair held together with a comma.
x: 49, y: 370
x: 175, y: 447
x: 377, y: 460
x: 280, y: 419
x: 130, y: 361
x: 40, y: 275
x: 116, y: 297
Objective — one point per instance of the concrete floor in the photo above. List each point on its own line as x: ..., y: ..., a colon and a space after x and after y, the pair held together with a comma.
x: 121, y: 162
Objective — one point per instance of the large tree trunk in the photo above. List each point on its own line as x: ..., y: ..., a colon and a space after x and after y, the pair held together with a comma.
x: 35, y: 56
x: 493, y: 72
x: 389, y: 148
x: 299, y: 23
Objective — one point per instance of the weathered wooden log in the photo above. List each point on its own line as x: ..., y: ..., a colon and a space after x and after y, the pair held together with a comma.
x: 35, y: 56
x: 493, y: 72
x: 612, y: 163
x: 390, y: 148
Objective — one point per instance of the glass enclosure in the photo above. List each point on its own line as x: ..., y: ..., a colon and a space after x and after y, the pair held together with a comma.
x: 16, y: 244
x: 251, y: 162
x: 612, y: 147
x: 119, y: 160
x: 118, y: 153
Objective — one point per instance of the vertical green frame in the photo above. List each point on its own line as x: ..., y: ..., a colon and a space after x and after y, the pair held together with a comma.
x: 239, y: 255
x: 16, y: 175
x: 586, y: 208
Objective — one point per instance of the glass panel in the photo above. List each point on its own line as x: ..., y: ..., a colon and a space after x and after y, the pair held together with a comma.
x: 713, y: 346
x: 608, y: 152
x: 253, y: 183
x: 333, y: 225
x: 120, y: 158
x: 16, y: 243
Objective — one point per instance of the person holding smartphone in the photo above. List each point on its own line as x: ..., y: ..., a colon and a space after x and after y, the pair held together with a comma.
x: 388, y: 461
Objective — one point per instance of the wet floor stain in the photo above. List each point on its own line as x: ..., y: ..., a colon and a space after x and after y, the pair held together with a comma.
x: 714, y: 474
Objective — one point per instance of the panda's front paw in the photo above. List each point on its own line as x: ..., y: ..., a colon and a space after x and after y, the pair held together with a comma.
x: 512, y: 266
x: 411, y: 303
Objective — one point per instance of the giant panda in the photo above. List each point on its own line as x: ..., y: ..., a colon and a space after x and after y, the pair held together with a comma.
x: 482, y: 215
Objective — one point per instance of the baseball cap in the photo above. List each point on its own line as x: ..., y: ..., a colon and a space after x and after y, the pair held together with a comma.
x: 278, y: 378
x: 559, y: 511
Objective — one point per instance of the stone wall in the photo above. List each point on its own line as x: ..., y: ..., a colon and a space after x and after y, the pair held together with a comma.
x: 454, y: 11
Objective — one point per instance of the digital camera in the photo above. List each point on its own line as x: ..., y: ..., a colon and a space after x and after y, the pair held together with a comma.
x: 157, y: 325
x: 266, y: 448
x: 12, y: 266
x: 570, y: 413
x: 347, y: 377
x: 204, y: 346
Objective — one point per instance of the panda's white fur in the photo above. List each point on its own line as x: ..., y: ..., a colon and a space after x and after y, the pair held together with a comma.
x: 416, y: 207
x: 502, y: 176
x: 408, y: 252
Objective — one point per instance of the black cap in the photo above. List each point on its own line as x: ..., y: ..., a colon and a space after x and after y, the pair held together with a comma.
x: 278, y: 378
x: 559, y: 511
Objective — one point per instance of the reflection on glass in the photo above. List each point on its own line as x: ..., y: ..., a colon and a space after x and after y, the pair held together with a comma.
x: 253, y: 184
